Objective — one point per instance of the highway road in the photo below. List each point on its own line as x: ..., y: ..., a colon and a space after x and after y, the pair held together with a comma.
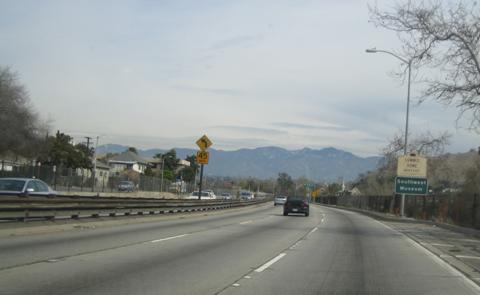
x: 247, y: 251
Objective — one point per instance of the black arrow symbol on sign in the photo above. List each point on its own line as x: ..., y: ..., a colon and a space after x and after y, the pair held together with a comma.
x: 205, y: 142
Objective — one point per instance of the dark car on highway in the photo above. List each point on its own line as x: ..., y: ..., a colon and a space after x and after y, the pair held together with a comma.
x: 24, y: 187
x: 296, y: 205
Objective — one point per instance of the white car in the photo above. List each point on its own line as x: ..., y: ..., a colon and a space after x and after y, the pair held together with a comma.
x: 205, y: 196
x: 226, y: 196
x: 279, y: 200
x: 211, y: 193
x: 246, y: 195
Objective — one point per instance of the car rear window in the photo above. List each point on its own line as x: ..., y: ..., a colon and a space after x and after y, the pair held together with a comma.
x: 296, y: 199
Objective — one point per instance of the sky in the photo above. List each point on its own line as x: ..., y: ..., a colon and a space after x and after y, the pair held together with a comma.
x: 160, y: 74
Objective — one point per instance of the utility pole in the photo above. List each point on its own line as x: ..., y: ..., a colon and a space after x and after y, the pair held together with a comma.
x: 163, y: 166
x: 83, y: 168
x: 94, y: 174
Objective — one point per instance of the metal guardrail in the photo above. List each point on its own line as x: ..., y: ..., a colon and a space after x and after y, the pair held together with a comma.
x: 25, y: 208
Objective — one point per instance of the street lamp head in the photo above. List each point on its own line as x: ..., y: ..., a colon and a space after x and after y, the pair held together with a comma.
x: 371, y: 50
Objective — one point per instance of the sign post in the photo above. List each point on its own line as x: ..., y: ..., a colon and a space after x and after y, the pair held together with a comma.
x: 411, y: 177
x: 202, y: 158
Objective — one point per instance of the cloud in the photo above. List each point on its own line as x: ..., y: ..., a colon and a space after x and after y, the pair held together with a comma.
x: 236, y: 42
x: 250, y: 130
x: 312, y: 127
x: 216, y: 91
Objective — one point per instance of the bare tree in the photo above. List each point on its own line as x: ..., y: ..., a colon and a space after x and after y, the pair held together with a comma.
x: 426, y: 144
x: 20, y: 126
x: 443, y: 38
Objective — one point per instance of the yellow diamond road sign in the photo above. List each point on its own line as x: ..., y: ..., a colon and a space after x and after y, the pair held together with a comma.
x: 202, y: 157
x: 204, y: 143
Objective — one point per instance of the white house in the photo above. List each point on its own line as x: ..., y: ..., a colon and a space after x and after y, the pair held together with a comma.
x: 127, y: 161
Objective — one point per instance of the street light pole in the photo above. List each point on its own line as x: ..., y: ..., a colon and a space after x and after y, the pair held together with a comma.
x: 409, y: 65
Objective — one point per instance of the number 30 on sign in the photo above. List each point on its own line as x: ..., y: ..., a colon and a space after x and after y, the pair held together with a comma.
x: 202, y: 157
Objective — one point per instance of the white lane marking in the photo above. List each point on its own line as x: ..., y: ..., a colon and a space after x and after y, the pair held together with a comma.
x: 313, y: 230
x: 436, y: 244
x: 295, y: 245
x: 169, y: 238
x: 246, y: 222
x: 468, y: 240
x: 442, y: 245
x: 270, y: 263
x: 438, y: 260
x: 467, y: 257
x: 236, y: 285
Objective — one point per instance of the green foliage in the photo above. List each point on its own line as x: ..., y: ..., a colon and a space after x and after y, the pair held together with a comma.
x: 284, y: 183
x: 61, y: 152
x: 170, y: 164
x: 169, y: 175
x: 188, y: 173
x: 149, y: 172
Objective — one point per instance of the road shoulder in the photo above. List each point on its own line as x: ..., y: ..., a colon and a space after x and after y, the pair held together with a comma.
x: 458, y: 249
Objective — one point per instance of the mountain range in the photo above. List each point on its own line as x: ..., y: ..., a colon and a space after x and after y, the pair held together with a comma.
x: 328, y: 164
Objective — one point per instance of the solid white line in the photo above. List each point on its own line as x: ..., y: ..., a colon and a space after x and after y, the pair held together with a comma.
x: 438, y: 260
x: 270, y: 263
x: 468, y: 240
x: 466, y: 256
x: 313, y: 230
x: 169, y: 238
x: 246, y: 222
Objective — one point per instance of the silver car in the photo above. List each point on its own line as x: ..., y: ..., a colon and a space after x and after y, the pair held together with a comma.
x: 25, y: 187
x: 279, y: 200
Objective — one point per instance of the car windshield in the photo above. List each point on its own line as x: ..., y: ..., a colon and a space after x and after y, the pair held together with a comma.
x: 11, y: 185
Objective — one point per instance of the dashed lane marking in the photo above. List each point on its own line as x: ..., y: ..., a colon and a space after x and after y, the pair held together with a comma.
x: 169, y: 238
x: 295, y: 245
x: 270, y: 263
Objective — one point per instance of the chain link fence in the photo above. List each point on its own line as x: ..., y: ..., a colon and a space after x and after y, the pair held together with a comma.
x: 455, y: 208
x: 78, y: 180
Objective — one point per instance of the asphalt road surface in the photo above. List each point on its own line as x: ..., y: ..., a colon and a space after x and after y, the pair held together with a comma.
x: 249, y: 251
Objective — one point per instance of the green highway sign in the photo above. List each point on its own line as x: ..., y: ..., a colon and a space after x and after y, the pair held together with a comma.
x: 411, y: 186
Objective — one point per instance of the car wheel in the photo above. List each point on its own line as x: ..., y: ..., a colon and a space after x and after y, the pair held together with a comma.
x: 274, y: 204
x: 285, y: 213
x: 306, y: 214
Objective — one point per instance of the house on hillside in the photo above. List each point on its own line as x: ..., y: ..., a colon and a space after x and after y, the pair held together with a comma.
x: 127, y: 161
